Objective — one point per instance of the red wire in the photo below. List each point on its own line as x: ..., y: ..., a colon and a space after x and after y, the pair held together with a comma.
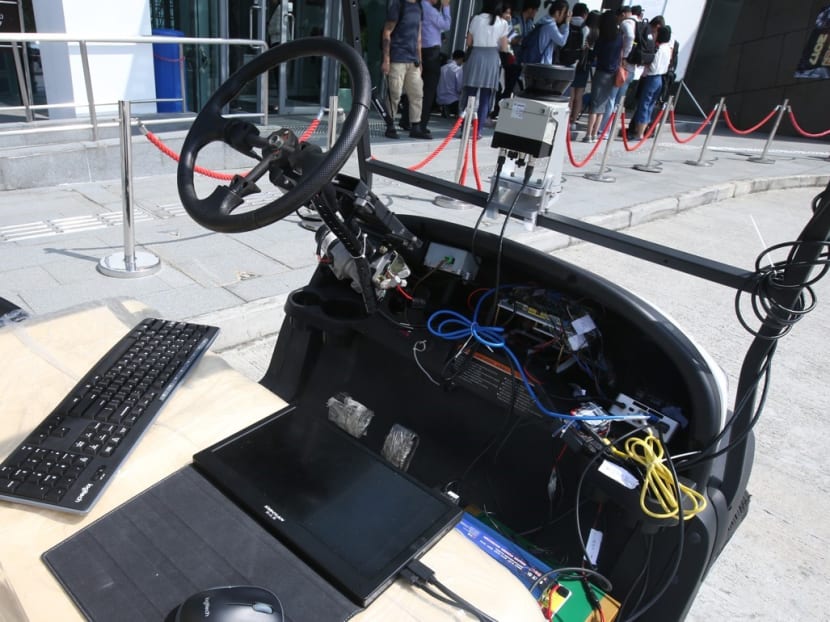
x: 802, y: 132
x: 474, y: 149
x: 471, y: 294
x: 593, y: 150
x: 439, y: 148
x: 696, y: 132
x: 758, y: 125
x: 404, y: 293
x: 646, y: 135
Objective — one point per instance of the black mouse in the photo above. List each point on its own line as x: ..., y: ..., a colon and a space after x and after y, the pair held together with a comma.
x: 233, y: 603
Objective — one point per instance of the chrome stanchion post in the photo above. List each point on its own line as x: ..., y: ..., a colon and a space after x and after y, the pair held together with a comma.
x: 333, y: 112
x: 650, y: 166
x: 700, y: 161
x: 449, y: 202
x: 763, y: 159
x: 600, y: 176
x: 129, y: 263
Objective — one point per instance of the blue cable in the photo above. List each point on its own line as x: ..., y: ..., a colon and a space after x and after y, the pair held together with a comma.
x: 454, y: 326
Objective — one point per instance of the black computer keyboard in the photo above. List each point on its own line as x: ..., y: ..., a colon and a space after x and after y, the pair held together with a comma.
x: 68, y: 460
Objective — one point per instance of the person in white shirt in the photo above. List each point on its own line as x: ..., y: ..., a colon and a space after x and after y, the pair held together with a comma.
x: 486, y: 37
x: 652, y: 82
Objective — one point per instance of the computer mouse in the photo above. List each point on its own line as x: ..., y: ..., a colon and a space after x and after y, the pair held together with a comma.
x: 233, y: 603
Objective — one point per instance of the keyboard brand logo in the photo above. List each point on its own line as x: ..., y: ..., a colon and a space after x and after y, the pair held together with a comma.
x: 206, y: 606
x: 83, y: 492
x: 273, y: 514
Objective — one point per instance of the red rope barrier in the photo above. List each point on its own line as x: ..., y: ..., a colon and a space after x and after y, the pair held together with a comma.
x: 311, y: 129
x: 169, y: 152
x: 646, y: 135
x: 595, y: 147
x: 727, y: 119
x: 439, y: 148
x: 696, y: 132
x: 474, y: 149
x: 204, y: 171
x: 802, y: 132
x: 463, y: 178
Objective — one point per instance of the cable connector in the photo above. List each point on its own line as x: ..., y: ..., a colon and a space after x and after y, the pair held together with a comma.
x: 531, y: 161
x: 417, y: 573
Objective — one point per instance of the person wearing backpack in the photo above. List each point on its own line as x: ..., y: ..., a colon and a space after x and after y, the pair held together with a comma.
x: 652, y: 82
x: 577, y: 52
x: 631, y: 20
x: 550, y: 33
x: 608, y: 55
x: 670, y: 78
x: 572, y: 50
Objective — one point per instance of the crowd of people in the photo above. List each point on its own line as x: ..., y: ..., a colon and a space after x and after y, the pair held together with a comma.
x: 609, y: 50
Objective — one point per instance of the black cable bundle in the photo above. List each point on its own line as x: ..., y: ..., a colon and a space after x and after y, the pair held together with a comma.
x: 772, y: 287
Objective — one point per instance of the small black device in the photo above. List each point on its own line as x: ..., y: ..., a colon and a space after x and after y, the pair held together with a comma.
x: 351, y: 516
x: 70, y: 457
x: 233, y: 603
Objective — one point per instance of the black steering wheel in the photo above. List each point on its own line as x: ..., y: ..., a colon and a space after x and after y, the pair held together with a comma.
x: 216, y: 211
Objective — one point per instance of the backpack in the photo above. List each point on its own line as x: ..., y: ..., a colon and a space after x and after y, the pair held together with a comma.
x: 529, y: 52
x: 573, y: 51
x: 645, y: 47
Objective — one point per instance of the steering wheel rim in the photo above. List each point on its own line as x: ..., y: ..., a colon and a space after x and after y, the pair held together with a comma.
x: 215, y: 211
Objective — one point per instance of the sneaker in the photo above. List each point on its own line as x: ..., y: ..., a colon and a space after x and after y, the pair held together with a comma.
x: 418, y: 132
x: 391, y: 132
x: 589, y: 139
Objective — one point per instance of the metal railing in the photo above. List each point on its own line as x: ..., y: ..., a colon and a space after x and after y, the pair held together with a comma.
x: 14, y: 40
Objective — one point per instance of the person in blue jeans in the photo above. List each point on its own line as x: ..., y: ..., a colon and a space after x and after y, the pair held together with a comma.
x: 652, y: 82
x: 627, y: 20
x: 608, y: 56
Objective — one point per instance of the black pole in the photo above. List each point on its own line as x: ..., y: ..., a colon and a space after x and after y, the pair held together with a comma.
x: 809, y: 251
x: 351, y: 33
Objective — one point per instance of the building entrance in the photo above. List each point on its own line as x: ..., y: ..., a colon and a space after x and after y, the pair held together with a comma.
x: 299, y: 86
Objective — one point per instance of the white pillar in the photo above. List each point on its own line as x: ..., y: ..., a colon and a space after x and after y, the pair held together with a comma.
x: 119, y: 72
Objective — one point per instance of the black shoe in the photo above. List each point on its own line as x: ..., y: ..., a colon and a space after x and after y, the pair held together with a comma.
x: 420, y: 132
x: 405, y: 125
x: 391, y: 132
